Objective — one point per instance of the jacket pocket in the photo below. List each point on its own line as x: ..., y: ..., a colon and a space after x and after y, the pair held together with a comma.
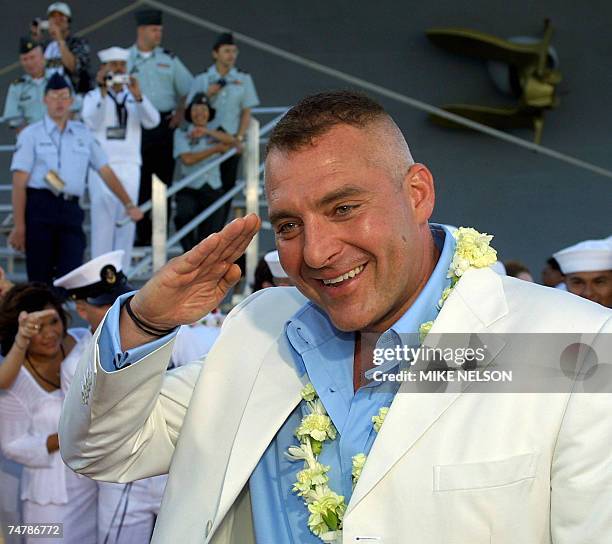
x: 484, y: 475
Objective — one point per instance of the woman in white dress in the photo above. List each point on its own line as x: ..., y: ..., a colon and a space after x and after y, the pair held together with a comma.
x: 30, y: 411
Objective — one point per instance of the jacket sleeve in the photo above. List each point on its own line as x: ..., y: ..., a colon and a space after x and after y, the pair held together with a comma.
x: 122, y: 426
x: 581, y: 470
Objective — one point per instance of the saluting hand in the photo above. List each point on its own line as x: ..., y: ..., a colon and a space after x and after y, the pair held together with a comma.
x: 31, y: 324
x: 190, y: 286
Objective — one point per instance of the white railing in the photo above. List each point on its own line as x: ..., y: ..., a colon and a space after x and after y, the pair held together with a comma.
x: 253, y: 170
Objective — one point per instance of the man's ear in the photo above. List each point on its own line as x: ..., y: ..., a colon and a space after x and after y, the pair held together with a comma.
x: 419, y: 187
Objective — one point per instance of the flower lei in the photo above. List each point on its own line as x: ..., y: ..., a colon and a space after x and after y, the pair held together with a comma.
x: 326, y: 507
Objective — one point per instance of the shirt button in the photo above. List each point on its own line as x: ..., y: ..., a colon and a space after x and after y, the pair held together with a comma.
x: 208, y: 526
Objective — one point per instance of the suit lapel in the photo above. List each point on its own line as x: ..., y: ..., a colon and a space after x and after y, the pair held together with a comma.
x: 477, y: 301
x: 275, y: 393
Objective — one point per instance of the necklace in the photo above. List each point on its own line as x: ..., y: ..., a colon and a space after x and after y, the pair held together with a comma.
x: 40, y: 376
x: 326, y: 507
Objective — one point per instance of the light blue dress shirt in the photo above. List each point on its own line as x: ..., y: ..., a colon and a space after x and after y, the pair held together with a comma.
x: 238, y: 94
x: 326, y: 355
x: 184, y: 144
x: 163, y: 78
x: 42, y: 147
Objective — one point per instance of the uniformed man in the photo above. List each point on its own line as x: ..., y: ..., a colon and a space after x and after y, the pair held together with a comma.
x: 65, y: 54
x: 232, y: 94
x: 166, y: 81
x: 126, y: 512
x: 194, y: 145
x: 588, y: 270
x: 24, y: 100
x: 49, y: 169
x: 116, y: 112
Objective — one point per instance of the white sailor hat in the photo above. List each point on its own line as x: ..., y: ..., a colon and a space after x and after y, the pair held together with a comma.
x: 587, y: 256
x: 99, y: 281
x: 113, y: 53
x: 60, y: 7
x: 273, y: 261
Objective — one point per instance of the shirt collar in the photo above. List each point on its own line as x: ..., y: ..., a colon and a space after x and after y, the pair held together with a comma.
x: 138, y: 54
x: 310, y: 327
x: 52, y: 128
x: 213, y: 70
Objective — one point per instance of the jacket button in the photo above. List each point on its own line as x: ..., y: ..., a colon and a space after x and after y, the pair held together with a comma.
x: 208, y: 526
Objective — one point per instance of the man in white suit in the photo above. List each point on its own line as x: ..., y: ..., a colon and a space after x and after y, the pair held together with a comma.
x: 350, y: 210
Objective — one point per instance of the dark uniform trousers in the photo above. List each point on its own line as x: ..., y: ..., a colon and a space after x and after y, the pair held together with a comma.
x: 191, y: 202
x: 229, y: 173
x: 55, y: 241
x: 157, y: 159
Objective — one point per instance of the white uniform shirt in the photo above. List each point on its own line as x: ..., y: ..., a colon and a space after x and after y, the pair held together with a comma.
x: 28, y: 415
x: 100, y: 113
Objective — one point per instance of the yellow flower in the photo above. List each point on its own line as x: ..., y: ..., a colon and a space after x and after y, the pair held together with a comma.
x: 472, y: 251
x: 308, y: 392
x: 310, y: 477
x: 379, y: 419
x: 326, y: 512
x: 424, y: 329
x: 444, y: 296
x: 317, y: 426
x: 359, y: 461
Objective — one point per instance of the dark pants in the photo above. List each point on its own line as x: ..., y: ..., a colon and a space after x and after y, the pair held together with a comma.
x: 156, y: 148
x: 55, y: 241
x: 229, y: 173
x: 189, y: 203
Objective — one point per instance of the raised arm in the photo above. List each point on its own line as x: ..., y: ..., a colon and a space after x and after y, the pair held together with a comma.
x: 122, y: 417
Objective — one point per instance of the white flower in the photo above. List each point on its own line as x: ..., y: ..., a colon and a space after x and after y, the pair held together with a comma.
x: 310, y: 477
x: 359, y: 461
x: 319, y: 427
x: 444, y: 296
x: 379, y: 419
x: 308, y: 392
x: 326, y: 513
x: 473, y: 251
x: 424, y: 329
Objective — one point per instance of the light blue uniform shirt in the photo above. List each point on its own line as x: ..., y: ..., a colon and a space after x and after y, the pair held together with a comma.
x: 326, y: 355
x: 184, y: 144
x: 24, y: 101
x: 238, y: 94
x: 42, y: 147
x: 163, y: 78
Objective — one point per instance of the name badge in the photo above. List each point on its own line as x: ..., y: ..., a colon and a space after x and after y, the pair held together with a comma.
x: 54, y: 182
x: 116, y: 133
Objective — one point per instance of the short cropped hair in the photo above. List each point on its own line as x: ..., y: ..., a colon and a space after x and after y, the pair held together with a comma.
x: 315, y: 115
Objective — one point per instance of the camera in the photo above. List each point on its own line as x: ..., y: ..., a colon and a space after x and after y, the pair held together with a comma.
x: 222, y: 82
x: 116, y: 79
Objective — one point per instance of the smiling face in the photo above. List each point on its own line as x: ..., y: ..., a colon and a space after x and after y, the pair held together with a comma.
x: 350, y: 213
x: 199, y: 114
x: 47, y: 342
x: 595, y: 286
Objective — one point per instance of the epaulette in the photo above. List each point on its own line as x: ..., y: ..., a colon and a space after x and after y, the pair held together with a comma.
x: 241, y: 71
x: 20, y: 79
x: 169, y: 53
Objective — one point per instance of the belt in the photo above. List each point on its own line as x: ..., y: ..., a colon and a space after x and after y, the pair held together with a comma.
x: 64, y: 196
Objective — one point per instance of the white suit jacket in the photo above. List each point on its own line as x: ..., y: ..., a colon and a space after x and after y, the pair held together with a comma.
x: 452, y: 468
